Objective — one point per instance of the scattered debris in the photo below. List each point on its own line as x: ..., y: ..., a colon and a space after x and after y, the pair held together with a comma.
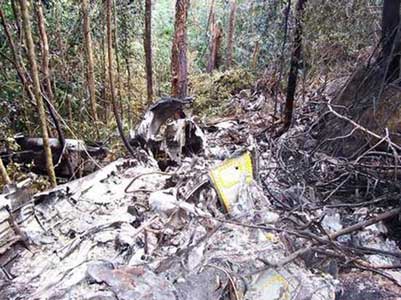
x: 247, y: 217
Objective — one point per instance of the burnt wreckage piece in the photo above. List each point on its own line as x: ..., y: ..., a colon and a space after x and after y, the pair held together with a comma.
x: 167, y: 132
x: 79, y: 153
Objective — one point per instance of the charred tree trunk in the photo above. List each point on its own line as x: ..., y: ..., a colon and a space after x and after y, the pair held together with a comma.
x: 179, y: 68
x: 117, y: 55
x: 44, y: 46
x: 89, y: 57
x: 147, y: 44
x: 26, y: 24
x: 296, y: 57
x: 391, y: 38
x: 111, y: 77
x: 230, y: 36
x: 214, y: 47
x: 3, y: 173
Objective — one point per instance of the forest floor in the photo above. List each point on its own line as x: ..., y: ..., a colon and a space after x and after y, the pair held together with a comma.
x: 288, y: 221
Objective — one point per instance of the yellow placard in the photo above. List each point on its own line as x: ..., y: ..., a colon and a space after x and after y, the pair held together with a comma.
x: 228, y: 176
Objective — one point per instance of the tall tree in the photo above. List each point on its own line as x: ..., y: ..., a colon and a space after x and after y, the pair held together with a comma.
x: 211, y: 15
x: 214, y: 46
x: 111, y: 77
x: 89, y: 57
x: 179, y: 67
x: 230, y: 35
x: 296, y: 57
x: 117, y: 56
x: 26, y: 24
x: 3, y: 173
x: 147, y: 44
x: 391, y: 38
x: 44, y: 46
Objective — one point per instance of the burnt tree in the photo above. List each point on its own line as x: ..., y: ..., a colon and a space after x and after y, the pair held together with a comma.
x: 296, y: 57
x: 179, y: 68
x: 147, y: 44
x: 367, y: 107
x: 391, y: 43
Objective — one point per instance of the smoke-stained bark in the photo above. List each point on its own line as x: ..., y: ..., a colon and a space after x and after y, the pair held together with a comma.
x: 296, y: 57
x: 179, y: 68
x: 391, y: 38
x: 147, y: 44
x: 214, y: 46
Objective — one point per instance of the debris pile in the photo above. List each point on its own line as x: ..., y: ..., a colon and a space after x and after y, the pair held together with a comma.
x: 82, y: 158
x: 231, y: 219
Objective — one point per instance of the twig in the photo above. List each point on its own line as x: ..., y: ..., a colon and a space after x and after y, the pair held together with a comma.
x: 357, y: 265
x: 360, y: 204
x: 229, y: 278
x: 324, y: 240
x: 360, y: 127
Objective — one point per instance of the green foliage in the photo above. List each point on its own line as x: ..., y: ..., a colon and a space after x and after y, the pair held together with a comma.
x: 212, y: 91
x: 337, y: 32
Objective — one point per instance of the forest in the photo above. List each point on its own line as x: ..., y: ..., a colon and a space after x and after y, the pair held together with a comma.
x: 200, y: 149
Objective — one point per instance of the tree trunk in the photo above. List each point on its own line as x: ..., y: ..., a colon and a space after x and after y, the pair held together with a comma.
x: 211, y: 16
x: 129, y: 81
x: 26, y: 24
x: 3, y: 173
x: 179, y: 68
x: 255, y: 55
x: 17, y: 17
x: 105, y: 90
x: 147, y: 44
x: 44, y: 46
x: 296, y: 57
x: 117, y: 55
x: 111, y: 77
x: 391, y: 38
x: 230, y: 36
x: 90, y: 62
x: 214, y: 48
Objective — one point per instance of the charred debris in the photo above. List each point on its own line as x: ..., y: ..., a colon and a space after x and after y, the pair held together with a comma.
x: 215, y: 209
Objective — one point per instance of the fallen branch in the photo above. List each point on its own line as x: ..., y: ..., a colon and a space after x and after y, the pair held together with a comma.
x: 362, y: 128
